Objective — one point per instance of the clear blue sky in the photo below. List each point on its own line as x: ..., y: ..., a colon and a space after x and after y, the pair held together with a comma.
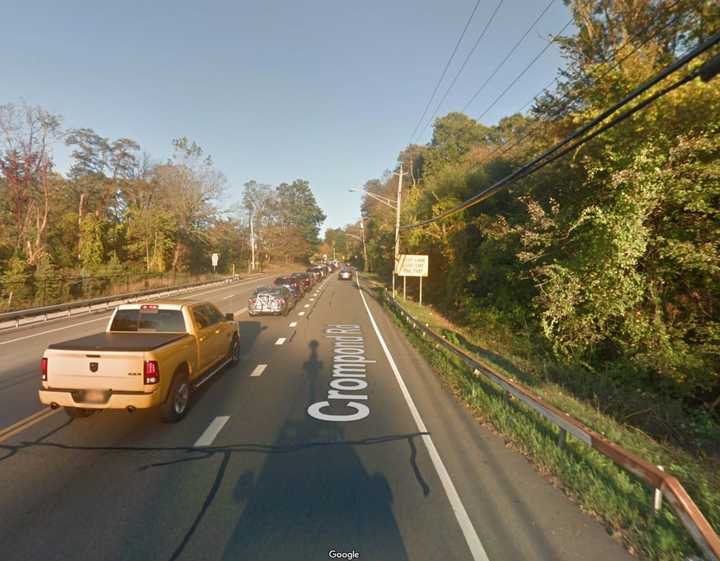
x: 275, y: 90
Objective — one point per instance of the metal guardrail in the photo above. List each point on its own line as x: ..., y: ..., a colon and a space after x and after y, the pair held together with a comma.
x: 44, y: 311
x: 667, y: 485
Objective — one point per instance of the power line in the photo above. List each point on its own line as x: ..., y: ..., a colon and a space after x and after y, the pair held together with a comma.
x: 524, y: 70
x: 507, y: 56
x: 447, y: 65
x: 462, y: 67
x: 568, y: 100
x: 560, y: 149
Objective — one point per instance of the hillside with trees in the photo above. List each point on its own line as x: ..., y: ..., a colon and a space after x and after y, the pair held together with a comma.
x: 120, y: 219
x: 606, y: 261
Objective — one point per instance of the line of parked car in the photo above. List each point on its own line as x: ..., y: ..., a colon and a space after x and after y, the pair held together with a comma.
x: 287, y: 290
x: 155, y: 353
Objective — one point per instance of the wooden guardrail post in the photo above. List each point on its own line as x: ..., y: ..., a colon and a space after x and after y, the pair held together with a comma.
x: 562, y: 438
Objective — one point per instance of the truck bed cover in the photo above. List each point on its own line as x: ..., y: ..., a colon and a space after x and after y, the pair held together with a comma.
x: 119, y: 342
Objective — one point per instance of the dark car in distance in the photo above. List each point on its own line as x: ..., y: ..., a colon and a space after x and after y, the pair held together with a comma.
x: 306, y: 280
x: 292, y: 282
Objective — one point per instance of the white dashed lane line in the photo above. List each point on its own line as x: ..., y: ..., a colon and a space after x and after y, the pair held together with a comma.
x: 228, y: 296
x: 280, y: 341
x: 307, y: 305
x: 241, y: 311
x: 301, y: 313
x: 207, y: 438
x: 259, y: 369
x: 293, y: 323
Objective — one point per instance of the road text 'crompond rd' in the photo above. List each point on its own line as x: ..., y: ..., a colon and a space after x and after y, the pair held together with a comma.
x: 347, y: 397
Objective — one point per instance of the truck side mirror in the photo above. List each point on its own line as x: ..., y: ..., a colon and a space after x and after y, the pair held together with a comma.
x: 229, y: 316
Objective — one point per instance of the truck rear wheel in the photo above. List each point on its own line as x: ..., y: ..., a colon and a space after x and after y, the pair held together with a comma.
x: 234, y: 353
x: 178, y: 399
x: 78, y: 412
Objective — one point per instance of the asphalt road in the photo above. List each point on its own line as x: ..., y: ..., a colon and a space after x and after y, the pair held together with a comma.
x: 291, y: 455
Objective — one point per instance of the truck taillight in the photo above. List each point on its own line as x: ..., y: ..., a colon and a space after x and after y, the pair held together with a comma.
x: 43, y: 368
x: 151, y: 372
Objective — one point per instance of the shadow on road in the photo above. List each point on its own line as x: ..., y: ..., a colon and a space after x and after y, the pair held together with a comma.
x: 249, y: 332
x: 313, y: 494
x: 317, y: 500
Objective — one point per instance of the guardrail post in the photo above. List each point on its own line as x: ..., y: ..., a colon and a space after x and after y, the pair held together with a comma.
x: 657, y: 498
x: 562, y: 438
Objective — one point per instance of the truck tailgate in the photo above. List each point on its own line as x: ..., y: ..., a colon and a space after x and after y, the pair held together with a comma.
x: 118, y: 371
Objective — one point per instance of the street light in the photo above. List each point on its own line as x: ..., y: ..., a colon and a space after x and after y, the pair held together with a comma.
x: 252, y: 235
x: 397, y: 207
x: 384, y: 200
x: 361, y: 239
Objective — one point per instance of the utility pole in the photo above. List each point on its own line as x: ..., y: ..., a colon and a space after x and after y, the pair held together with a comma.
x: 252, y: 239
x: 397, y: 224
x: 366, y: 267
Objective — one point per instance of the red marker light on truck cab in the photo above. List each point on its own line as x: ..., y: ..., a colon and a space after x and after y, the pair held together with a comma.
x: 43, y: 368
x: 151, y: 372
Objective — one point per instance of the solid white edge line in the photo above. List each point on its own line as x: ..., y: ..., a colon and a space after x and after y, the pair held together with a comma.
x: 259, y: 369
x: 280, y: 341
x: 471, y: 538
x: 214, y: 428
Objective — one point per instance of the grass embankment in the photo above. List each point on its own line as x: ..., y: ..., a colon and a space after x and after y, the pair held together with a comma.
x: 594, y: 482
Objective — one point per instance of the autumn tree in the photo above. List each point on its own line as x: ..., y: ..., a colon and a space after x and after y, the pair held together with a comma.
x: 27, y: 135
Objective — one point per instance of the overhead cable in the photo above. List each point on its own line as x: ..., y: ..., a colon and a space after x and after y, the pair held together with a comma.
x: 568, y: 144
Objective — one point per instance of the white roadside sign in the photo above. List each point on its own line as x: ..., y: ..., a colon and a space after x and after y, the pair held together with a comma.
x: 215, y: 258
x: 412, y: 266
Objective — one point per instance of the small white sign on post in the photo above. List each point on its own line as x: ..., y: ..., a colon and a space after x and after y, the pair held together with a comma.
x: 412, y: 266
x: 215, y: 258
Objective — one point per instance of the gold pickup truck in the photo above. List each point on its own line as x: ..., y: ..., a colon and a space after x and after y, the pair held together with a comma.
x: 151, y: 354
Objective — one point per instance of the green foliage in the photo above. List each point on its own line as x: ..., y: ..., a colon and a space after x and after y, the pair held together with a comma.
x: 91, y: 243
x: 49, y: 289
x: 16, y: 281
x: 596, y: 483
x: 297, y: 206
x: 608, y: 258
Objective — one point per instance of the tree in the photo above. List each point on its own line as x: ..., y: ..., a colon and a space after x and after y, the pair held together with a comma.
x: 190, y: 185
x: 297, y: 208
x: 26, y: 137
x: 453, y: 137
